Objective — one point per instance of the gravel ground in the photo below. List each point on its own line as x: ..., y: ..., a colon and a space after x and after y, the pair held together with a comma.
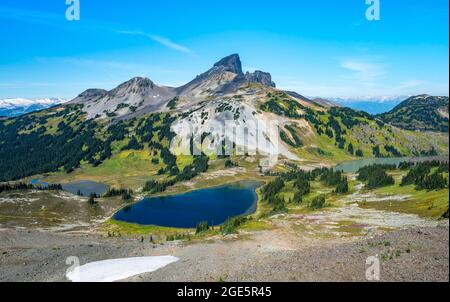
x: 276, y: 255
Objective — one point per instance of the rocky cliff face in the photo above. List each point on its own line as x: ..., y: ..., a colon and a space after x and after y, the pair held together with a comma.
x: 260, y: 77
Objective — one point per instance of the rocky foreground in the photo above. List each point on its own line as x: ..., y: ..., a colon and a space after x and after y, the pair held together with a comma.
x: 416, y: 254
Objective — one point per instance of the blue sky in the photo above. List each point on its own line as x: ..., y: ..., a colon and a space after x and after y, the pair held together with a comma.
x: 318, y: 48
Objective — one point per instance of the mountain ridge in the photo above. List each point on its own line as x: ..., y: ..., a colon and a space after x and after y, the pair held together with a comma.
x: 224, y: 77
x: 421, y: 112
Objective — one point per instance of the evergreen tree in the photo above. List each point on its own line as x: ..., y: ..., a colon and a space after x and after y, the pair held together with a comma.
x: 350, y: 148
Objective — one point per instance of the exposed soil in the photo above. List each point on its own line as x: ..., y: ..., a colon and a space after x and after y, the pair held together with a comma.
x: 416, y: 254
x: 41, y: 230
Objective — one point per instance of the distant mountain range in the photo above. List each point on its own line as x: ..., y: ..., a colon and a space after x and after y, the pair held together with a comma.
x: 372, y: 105
x: 20, y: 106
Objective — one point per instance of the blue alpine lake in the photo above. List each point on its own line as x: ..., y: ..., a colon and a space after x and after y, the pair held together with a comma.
x: 214, y: 205
x: 353, y: 166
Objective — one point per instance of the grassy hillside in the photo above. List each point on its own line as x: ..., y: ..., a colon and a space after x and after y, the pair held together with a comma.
x: 61, y: 145
x: 420, y: 113
x: 420, y: 189
x: 338, y: 134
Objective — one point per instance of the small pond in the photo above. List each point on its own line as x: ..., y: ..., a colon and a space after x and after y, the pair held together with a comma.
x: 38, y: 182
x: 85, y: 187
x: 214, y: 205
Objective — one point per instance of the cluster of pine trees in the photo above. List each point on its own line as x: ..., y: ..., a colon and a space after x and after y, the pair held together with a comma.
x: 427, y: 176
x: 202, y: 227
x: 301, y: 181
x: 270, y: 191
x: 127, y: 194
x: 31, y: 149
x: 295, y: 142
x: 38, y: 151
x: 375, y: 176
x: 9, y: 187
x: 272, y: 188
x: 318, y: 202
x: 335, y: 178
x: 282, y: 104
x: 231, y: 225
x: 200, y: 165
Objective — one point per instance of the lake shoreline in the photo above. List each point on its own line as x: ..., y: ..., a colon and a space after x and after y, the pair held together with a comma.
x: 221, y: 202
x: 352, y: 166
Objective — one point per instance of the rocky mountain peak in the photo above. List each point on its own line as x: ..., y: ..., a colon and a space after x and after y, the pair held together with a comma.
x: 134, y: 86
x: 93, y: 92
x: 139, y: 82
x: 231, y: 63
x: 89, y: 95
x: 260, y: 77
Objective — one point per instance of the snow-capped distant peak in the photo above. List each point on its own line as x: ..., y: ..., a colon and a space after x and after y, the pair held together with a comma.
x: 18, y: 106
x: 369, y: 99
x: 22, y: 102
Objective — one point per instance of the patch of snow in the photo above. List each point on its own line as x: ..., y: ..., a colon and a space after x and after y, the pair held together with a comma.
x: 118, y: 269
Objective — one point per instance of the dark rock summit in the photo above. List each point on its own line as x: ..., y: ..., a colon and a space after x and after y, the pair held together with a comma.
x: 231, y: 63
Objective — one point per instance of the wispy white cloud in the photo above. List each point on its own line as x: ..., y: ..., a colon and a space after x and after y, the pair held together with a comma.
x: 363, y: 70
x: 43, y: 17
x: 170, y: 44
x: 159, y: 39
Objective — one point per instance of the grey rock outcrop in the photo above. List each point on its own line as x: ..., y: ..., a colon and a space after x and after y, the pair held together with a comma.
x: 260, y: 77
